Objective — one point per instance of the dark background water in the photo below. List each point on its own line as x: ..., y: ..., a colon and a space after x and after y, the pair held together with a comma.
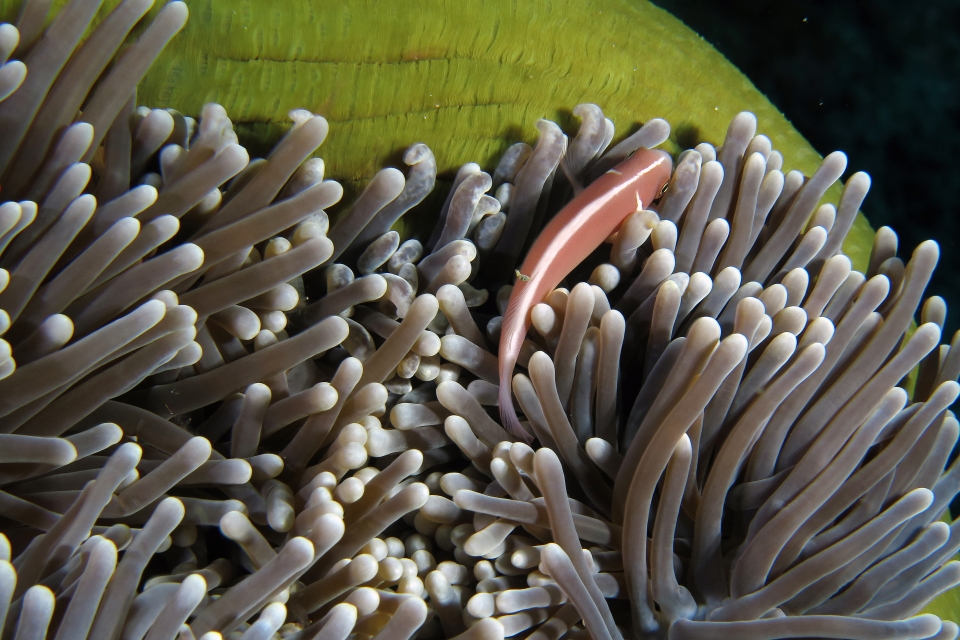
x: 878, y: 79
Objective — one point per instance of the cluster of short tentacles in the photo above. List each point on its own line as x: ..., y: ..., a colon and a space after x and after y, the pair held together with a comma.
x: 223, y: 417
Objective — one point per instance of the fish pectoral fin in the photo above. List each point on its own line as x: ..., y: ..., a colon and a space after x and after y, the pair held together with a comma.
x: 572, y: 179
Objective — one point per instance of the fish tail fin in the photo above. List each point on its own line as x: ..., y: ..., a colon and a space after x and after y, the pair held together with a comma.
x: 508, y: 415
x: 512, y: 332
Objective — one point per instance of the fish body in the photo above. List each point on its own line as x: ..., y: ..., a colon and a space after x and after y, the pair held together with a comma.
x: 572, y: 235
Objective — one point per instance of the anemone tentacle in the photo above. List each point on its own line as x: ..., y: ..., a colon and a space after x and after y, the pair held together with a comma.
x: 222, y: 416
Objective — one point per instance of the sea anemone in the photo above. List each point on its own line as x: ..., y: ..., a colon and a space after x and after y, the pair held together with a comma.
x: 225, y: 417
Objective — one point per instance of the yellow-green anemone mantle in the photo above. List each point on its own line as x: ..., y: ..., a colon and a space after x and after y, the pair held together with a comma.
x: 467, y: 77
